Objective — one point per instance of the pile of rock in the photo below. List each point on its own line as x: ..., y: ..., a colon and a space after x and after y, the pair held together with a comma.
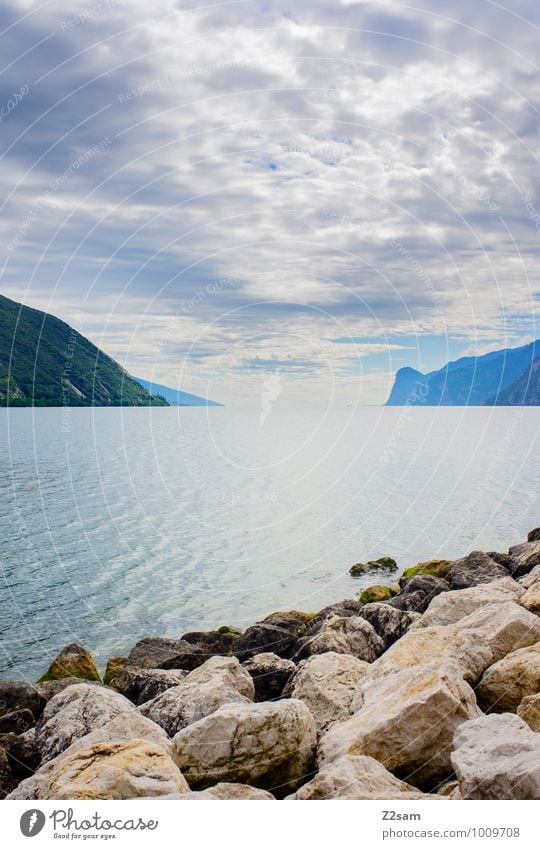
x: 431, y: 692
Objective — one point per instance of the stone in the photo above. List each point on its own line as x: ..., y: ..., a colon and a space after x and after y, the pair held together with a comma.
x: 230, y: 792
x: 389, y: 622
x: 449, y: 608
x: 534, y: 535
x: 74, y: 661
x: 268, y: 745
x: 73, y: 713
x: 348, y: 607
x: 142, y: 685
x: 228, y: 629
x: 114, y: 667
x: 530, y: 579
x: 497, y: 757
x: 415, y: 602
x: 531, y: 599
x: 18, y: 695
x: 436, y: 568
x: 506, y: 626
x: 345, y: 635
x: 48, y: 689
x: 523, y: 558
x: 270, y: 673
x: 165, y: 653
x: 407, y: 722
x: 377, y: 592
x: 23, y: 754
x: 212, y: 642
x: 382, y: 563
x: 128, y: 725
x: 505, y: 684
x: 18, y: 721
x: 476, y: 568
x: 427, y: 584
x: 219, y: 681
x: 326, y: 684
x: 7, y: 781
x: 125, y: 770
x: 356, y: 777
x: 263, y: 638
x: 293, y: 621
x: 529, y: 710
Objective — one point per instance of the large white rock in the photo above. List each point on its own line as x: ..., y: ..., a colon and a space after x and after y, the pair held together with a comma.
x: 531, y: 579
x: 407, y: 722
x: 227, y: 792
x: 357, y: 777
x: 507, y: 627
x: 507, y: 682
x: 106, y: 771
x: 219, y: 681
x: 448, y: 608
x: 497, y: 757
x: 326, y: 684
x: 524, y: 557
x: 269, y: 745
x: 74, y: 713
x: 529, y: 710
x: 344, y: 635
x: 531, y: 599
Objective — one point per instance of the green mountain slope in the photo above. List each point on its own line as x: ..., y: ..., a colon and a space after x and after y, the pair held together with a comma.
x: 45, y: 363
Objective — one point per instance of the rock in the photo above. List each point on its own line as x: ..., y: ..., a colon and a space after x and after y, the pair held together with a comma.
x: 427, y: 584
x: 23, y: 754
x: 389, y: 622
x: 507, y: 682
x: 529, y: 710
x: 326, y: 684
x: 415, y: 602
x: 142, y: 685
x: 476, y: 568
x: 18, y: 695
x: 18, y: 721
x: 212, y: 642
x: 348, y: 607
x: 164, y: 653
x: 407, y: 722
x: 530, y: 579
x: 74, y: 661
x: 449, y: 608
x: 224, y: 791
x: 126, y: 726
x: 7, y: 781
x: 219, y: 681
x: 448, y: 789
x: 436, y: 568
x: 48, y: 689
x: 106, y: 771
x: 531, y: 599
x: 356, y: 777
x: 262, y: 639
x: 228, y: 629
x: 383, y: 563
x: 270, y: 673
x: 375, y: 593
x: 293, y: 621
x: 497, y: 757
x: 534, y: 535
x: 523, y: 558
x: 73, y: 713
x: 115, y: 665
x: 506, y: 626
x: 345, y: 635
x: 268, y: 745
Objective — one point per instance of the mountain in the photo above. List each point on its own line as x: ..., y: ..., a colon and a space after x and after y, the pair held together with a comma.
x: 469, y: 381
x: 175, y: 397
x: 45, y: 363
x: 524, y: 392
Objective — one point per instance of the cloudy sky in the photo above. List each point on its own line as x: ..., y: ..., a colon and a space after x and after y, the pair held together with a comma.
x: 318, y: 192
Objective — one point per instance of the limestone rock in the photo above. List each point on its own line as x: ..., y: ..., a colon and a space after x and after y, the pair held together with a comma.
x: 497, y: 757
x: 74, y: 661
x: 212, y: 642
x: 531, y: 578
x: 507, y: 682
x: 7, y: 781
x: 114, y: 667
x: 142, y: 685
x: 523, y: 558
x: 263, y: 639
x: 348, y: 607
x: 345, y: 635
x: 356, y: 777
x: 534, y: 535
x: 229, y: 792
x: 415, y: 602
x: 449, y: 608
x: 269, y: 745
x: 389, y: 622
x: 48, y: 689
x: 407, y: 722
x: 529, y: 710
x: 428, y: 584
x: 506, y: 626
x: 326, y: 684
x: 476, y: 568
x: 219, y: 681
x: 18, y: 695
x: 106, y: 771
x: 531, y: 599
x: 293, y: 621
x: 270, y: 673
x: 165, y: 653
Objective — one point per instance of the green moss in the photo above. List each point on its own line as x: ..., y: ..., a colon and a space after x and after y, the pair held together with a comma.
x: 436, y: 568
x: 378, y: 592
x: 228, y: 629
x: 372, y: 566
x: 293, y: 614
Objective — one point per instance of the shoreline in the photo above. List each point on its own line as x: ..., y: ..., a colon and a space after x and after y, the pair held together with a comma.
x: 403, y: 693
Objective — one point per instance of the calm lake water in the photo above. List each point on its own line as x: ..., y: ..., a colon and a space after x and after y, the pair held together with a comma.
x: 120, y: 523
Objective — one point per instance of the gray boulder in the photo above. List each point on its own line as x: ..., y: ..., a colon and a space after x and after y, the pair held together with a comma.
x: 346, y: 635
x: 165, y: 653
x: 476, y: 568
x: 270, y: 673
x: 142, y: 685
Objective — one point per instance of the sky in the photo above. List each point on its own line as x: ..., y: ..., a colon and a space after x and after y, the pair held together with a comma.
x: 304, y: 195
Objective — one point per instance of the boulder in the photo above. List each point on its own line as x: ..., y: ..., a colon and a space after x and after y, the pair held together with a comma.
x: 407, y: 722
x: 48, y: 689
x: 74, y: 661
x: 18, y: 721
x: 427, y: 584
x: 293, y: 621
x: 507, y: 682
x: 348, y: 607
x: 415, y: 602
x: 523, y: 558
x: 268, y: 745
x: 387, y: 564
x: 449, y: 608
x: 476, y: 568
x: 377, y: 592
x: 389, y: 622
x: 7, y: 781
x: 219, y: 681
x: 497, y: 757
x: 529, y: 710
x: 326, y: 684
x: 115, y: 665
x: 506, y: 626
x: 165, y: 653
x: 112, y: 770
x: 212, y: 642
x: 356, y: 777
x: 270, y: 673
x: 530, y: 579
x: 534, y: 535
x: 229, y: 792
x: 142, y: 685
x: 531, y: 599
x: 436, y: 568
x: 18, y: 695
x: 345, y: 635
x: 262, y: 639
x: 73, y: 713
x: 23, y: 754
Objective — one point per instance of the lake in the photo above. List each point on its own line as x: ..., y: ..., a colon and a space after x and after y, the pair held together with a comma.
x: 117, y: 524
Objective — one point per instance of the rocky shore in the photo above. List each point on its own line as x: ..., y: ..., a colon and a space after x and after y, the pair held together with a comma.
x: 426, y: 690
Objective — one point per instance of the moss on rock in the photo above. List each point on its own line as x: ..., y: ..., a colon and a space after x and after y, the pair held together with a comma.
x: 115, y: 665
x: 372, y: 566
x: 74, y: 661
x: 378, y: 592
x: 228, y: 629
x: 436, y: 568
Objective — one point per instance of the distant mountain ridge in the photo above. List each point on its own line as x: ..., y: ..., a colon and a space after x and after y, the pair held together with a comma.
x: 175, y: 397
x: 46, y: 363
x: 494, y: 379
